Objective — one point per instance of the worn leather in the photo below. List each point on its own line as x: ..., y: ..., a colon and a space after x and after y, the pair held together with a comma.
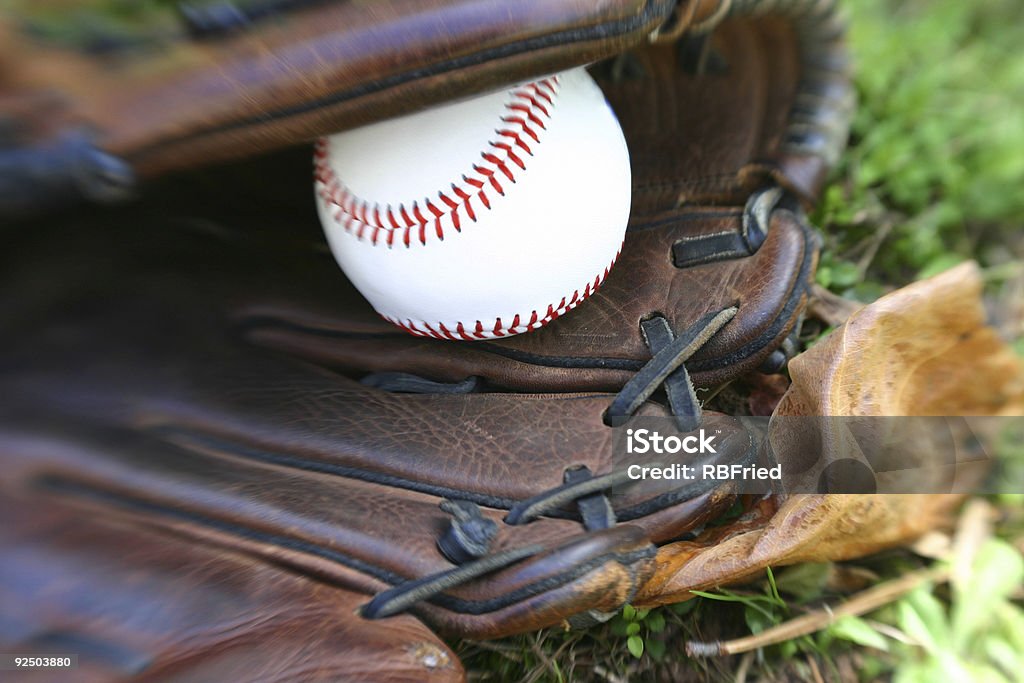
x: 596, y: 347
x: 178, y: 100
x: 131, y: 391
x: 138, y: 603
x: 90, y: 120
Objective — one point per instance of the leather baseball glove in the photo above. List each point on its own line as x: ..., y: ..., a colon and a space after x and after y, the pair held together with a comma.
x: 194, y: 371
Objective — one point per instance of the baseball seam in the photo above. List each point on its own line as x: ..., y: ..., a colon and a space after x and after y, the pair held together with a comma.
x: 522, y: 126
x: 459, y: 331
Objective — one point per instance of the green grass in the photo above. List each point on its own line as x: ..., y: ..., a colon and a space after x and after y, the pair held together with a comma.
x: 936, y: 162
x: 96, y: 24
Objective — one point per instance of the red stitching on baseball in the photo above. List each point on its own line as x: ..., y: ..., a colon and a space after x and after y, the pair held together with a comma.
x: 528, y: 107
x: 497, y: 329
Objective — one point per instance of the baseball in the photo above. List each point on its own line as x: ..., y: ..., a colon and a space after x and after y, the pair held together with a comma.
x: 484, y: 218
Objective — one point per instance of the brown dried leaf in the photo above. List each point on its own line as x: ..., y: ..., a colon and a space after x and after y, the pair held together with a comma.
x: 922, y: 350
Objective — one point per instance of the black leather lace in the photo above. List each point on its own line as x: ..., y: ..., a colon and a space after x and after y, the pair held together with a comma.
x: 665, y: 368
x: 469, y: 524
x: 467, y: 542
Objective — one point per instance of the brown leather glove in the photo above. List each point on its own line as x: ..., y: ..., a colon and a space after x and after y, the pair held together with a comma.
x: 233, y: 389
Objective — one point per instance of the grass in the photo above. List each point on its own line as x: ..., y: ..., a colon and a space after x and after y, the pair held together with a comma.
x: 934, y: 175
x: 936, y: 159
x: 96, y: 25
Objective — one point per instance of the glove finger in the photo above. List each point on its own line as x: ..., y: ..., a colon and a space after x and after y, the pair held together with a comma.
x: 165, y: 91
x: 366, y: 537
x: 163, y: 354
x: 160, y: 356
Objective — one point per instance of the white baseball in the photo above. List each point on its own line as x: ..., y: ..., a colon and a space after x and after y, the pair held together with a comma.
x: 484, y: 218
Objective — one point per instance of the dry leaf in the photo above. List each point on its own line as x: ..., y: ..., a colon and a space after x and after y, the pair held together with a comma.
x: 922, y: 350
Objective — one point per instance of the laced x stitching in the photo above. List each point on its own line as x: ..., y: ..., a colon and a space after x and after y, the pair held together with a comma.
x: 402, y: 597
x: 666, y: 368
x: 667, y: 362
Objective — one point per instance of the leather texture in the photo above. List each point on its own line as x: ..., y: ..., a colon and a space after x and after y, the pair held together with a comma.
x: 171, y: 99
x: 224, y: 80
x: 137, y: 603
